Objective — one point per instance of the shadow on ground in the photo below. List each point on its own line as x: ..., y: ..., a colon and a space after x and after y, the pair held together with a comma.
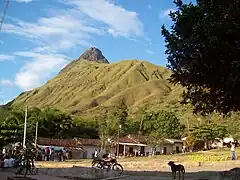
x: 85, y: 173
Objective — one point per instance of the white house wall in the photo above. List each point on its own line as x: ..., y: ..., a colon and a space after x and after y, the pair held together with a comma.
x: 90, y: 149
x: 170, y: 148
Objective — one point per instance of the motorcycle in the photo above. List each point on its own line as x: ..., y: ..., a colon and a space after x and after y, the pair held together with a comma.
x: 111, y: 164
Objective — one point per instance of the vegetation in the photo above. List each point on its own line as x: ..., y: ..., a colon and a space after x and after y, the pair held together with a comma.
x: 85, y: 89
x: 160, y: 125
x: 202, y: 48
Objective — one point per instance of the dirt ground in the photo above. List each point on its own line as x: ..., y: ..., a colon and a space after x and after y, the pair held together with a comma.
x: 152, y: 168
x: 204, y: 166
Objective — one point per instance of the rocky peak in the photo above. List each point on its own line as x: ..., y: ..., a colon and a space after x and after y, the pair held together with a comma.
x: 93, y: 54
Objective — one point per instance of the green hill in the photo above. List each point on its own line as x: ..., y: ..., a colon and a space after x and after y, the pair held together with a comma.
x: 85, y: 87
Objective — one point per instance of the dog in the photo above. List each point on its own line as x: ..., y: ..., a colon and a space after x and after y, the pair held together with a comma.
x: 177, y: 168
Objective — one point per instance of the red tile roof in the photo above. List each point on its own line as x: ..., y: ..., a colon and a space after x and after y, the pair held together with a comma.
x: 132, y: 138
x: 59, y: 142
x: 93, y: 142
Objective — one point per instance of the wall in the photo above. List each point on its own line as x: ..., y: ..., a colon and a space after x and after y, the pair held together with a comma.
x: 170, y: 148
x: 77, y: 154
x: 89, y: 149
x: 180, y: 145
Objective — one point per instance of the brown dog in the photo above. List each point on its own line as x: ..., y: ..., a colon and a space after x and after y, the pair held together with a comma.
x: 177, y: 168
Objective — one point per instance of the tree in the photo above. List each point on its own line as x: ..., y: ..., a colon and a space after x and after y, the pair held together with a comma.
x: 11, y: 128
x: 203, y: 47
x: 207, y: 132
x: 160, y: 125
x: 54, y: 123
x: 103, y: 129
x: 84, y: 128
x: 232, y: 125
x: 120, y: 113
x: 190, y: 141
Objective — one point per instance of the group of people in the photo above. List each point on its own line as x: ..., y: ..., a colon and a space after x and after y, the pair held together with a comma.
x: 10, y: 158
x: 51, y: 154
x: 8, y: 161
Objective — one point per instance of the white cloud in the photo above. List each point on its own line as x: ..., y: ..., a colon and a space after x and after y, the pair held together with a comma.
x: 119, y: 21
x: 149, y: 52
x: 24, y: 1
x: 62, y: 32
x: 39, y: 70
x: 6, y: 82
x: 64, y: 29
x: 165, y: 13
x: 4, y: 57
x: 149, y: 6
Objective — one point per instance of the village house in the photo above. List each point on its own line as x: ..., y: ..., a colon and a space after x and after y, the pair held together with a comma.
x: 81, y: 148
x: 62, y: 144
x: 135, y: 145
x: 88, y: 147
x: 130, y: 145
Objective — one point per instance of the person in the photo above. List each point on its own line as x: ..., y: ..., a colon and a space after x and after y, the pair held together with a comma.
x: 60, y: 155
x: 1, y: 160
x: 4, y: 150
x: 233, y: 151
x: 99, y: 154
x: 96, y: 153
x: 67, y: 154
x: 183, y: 149
x: 106, y: 157
x: 47, y: 153
x: 11, y: 161
x: 6, y: 162
x: 52, y: 154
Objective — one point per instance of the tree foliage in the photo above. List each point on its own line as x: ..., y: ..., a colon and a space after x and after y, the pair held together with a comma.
x: 52, y: 123
x: 190, y: 141
x: 209, y: 131
x: 203, y: 47
x: 160, y: 125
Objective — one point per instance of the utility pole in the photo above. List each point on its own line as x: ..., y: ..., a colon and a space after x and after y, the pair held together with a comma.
x: 25, y: 129
x: 36, y: 135
x: 120, y: 126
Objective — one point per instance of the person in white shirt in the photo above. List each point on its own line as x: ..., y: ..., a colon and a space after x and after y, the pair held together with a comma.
x: 95, y: 153
x: 4, y: 151
x: 233, y: 151
x: 11, y: 162
x: 6, y: 162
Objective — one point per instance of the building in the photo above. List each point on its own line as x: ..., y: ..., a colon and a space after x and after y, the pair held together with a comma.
x: 89, y: 146
x: 62, y: 144
x: 81, y: 148
x: 130, y: 145
x: 135, y: 145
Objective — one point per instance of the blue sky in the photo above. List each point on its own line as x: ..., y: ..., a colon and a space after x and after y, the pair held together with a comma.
x: 39, y: 37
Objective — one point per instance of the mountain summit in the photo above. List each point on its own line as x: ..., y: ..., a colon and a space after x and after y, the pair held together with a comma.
x: 93, y: 54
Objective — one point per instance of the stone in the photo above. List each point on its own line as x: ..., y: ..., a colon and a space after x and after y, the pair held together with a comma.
x: 95, y: 55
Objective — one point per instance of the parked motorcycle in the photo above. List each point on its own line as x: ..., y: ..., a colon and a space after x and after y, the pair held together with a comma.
x: 107, y: 164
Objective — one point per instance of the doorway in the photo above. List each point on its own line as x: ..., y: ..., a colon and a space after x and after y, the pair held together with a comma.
x: 165, y: 150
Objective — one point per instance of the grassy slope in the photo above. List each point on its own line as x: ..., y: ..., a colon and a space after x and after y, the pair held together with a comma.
x: 81, y: 83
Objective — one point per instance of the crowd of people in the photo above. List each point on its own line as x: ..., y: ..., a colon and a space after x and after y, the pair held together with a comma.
x: 50, y: 154
x: 12, y: 157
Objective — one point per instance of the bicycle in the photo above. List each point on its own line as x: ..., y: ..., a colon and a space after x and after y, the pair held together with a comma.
x: 28, y: 167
